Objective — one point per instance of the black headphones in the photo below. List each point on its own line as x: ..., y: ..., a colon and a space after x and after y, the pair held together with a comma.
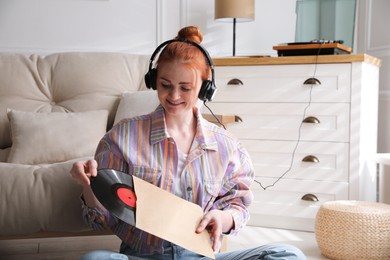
x: 208, y: 87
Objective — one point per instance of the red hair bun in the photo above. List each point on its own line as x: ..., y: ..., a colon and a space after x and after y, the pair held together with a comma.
x: 191, y: 33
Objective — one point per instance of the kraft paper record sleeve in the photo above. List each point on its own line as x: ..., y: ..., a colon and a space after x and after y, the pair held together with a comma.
x: 152, y: 209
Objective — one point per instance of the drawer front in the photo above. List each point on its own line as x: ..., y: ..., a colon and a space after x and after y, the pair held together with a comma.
x: 282, y: 206
x: 311, y: 160
x: 282, y: 121
x: 284, y: 83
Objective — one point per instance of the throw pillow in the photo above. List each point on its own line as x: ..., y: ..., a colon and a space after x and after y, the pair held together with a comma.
x: 136, y: 103
x: 4, y: 154
x: 39, y: 138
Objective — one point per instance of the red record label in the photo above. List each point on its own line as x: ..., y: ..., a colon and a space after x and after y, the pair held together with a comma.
x: 115, y: 190
x: 127, y: 196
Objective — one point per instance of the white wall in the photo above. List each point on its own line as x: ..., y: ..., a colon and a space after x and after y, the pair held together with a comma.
x: 46, y: 26
x: 373, y: 37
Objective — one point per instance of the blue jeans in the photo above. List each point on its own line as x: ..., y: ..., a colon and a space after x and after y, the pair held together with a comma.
x: 173, y: 252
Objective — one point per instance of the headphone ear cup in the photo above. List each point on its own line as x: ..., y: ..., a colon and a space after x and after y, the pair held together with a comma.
x: 151, y: 78
x: 207, y: 90
x: 147, y: 79
x: 202, y: 92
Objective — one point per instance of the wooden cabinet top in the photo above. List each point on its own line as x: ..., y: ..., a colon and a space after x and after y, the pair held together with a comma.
x: 284, y: 60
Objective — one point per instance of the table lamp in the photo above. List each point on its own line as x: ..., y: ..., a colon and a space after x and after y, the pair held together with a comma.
x: 234, y: 11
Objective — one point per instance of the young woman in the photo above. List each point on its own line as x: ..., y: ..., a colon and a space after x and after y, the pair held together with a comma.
x: 177, y: 150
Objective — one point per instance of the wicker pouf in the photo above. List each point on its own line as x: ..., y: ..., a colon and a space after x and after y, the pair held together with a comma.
x: 353, y: 230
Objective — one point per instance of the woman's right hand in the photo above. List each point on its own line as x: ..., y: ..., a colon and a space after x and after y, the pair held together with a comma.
x: 82, y: 171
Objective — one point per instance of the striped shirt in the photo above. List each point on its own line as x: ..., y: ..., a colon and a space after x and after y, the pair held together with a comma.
x: 217, y: 173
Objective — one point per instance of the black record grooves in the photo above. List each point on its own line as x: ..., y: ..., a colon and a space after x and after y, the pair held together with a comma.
x: 115, y: 191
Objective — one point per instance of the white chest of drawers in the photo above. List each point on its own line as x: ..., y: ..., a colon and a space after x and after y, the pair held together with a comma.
x: 303, y: 164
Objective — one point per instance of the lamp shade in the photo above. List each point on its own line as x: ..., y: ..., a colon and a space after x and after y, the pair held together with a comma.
x: 227, y: 10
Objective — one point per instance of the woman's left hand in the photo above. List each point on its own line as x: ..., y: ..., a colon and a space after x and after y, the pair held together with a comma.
x: 215, y: 222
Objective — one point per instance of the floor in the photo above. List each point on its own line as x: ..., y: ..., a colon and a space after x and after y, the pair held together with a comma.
x: 74, y: 247
x: 252, y: 236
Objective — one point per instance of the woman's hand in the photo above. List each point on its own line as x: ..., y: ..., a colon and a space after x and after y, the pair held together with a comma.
x: 82, y: 171
x: 215, y: 222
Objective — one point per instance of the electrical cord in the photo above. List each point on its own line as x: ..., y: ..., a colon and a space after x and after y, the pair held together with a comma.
x: 219, y: 122
x: 299, y: 129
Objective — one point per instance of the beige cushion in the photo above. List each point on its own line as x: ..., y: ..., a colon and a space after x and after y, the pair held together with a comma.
x: 136, y: 104
x: 39, y: 197
x: 54, y: 137
x: 4, y: 154
x: 67, y: 82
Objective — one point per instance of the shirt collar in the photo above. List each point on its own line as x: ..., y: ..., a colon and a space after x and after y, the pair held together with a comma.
x: 204, y: 134
x: 158, y: 128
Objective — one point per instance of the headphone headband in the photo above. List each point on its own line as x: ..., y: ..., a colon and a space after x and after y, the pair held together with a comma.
x: 162, y: 45
x: 208, y: 88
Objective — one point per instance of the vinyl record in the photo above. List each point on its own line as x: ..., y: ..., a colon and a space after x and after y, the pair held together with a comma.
x: 115, y: 191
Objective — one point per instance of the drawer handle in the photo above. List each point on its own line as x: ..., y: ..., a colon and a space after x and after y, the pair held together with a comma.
x: 311, y: 120
x: 309, y: 197
x: 311, y: 158
x: 312, y: 81
x: 237, y: 118
x: 235, y: 82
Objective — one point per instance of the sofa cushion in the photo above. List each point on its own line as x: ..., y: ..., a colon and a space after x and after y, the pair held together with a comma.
x: 54, y: 137
x: 4, y: 154
x: 136, y: 103
x: 67, y: 82
x: 39, y: 198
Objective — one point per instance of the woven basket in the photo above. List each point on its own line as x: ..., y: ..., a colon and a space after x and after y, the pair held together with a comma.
x: 353, y: 230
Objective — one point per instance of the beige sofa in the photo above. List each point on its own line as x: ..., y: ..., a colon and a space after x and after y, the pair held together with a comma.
x: 53, y: 111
